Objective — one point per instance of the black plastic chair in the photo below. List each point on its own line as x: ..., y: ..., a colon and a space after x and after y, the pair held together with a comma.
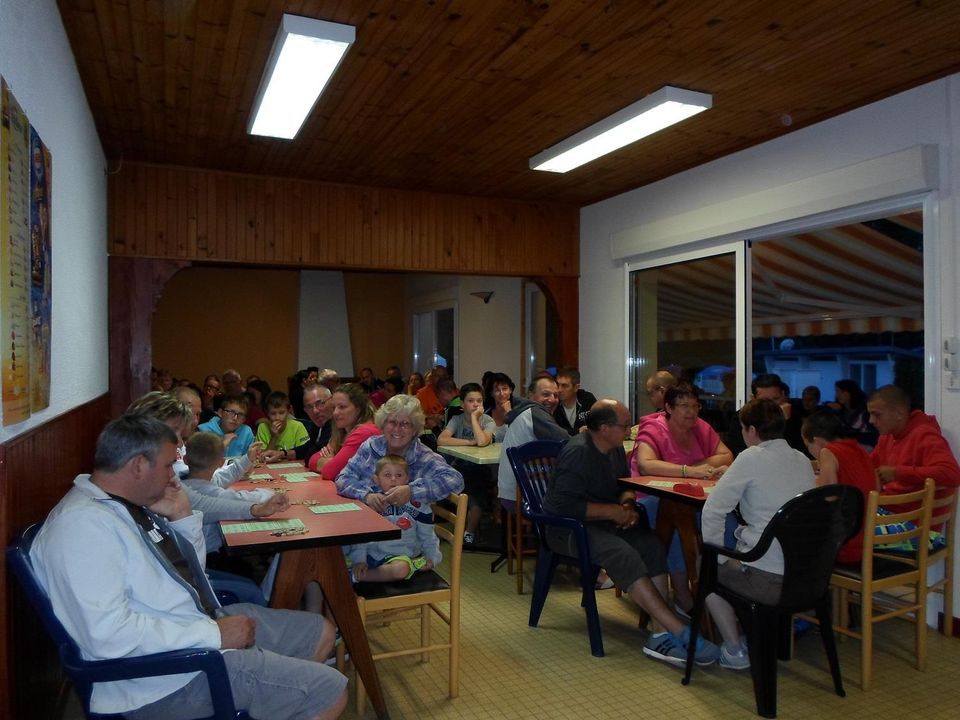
x: 810, y: 528
x: 84, y: 673
x: 532, y: 464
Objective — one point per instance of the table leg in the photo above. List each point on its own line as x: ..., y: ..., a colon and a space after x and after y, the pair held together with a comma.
x: 682, y: 518
x: 326, y: 565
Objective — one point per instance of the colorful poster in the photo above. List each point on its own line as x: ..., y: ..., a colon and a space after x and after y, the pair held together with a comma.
x: 14, y: 258
x: 40, y: 272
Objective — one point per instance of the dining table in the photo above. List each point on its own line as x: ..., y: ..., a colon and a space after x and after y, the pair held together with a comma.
x: 680, y: 500
x: 309, y: 537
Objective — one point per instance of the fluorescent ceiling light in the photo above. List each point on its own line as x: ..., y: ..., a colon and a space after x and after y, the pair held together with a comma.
x: 656, y: 111
x: 305, y: 54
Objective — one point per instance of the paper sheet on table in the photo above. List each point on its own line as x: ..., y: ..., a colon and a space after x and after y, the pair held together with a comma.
x: 262, y: 525
x: 299, y: 477
x: 340, y: 507
x: 286, y: 465
x: 261, y: 476
x: 666, y: 484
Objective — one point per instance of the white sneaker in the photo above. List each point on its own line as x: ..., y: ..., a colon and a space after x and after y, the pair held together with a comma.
x: 736, y: 660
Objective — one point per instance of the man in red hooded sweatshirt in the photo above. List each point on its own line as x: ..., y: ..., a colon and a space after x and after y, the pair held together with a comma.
x: 911, y: 446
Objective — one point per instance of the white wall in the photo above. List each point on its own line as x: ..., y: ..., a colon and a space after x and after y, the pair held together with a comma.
x: 488, y: 335
x: 38, y: 65
x: 324, y: 329
x: 924, y: 115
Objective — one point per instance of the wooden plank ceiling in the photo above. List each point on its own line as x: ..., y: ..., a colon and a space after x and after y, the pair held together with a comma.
x: 455, y: 96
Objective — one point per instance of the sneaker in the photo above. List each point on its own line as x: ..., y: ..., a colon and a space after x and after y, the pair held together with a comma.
x: 739, y: 659
x: 706, y: 653
x: 468, y: 538
x: 664, y: 646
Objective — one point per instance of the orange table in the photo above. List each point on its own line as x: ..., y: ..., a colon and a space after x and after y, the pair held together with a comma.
x: 676, y: 512
x: 316, y: 555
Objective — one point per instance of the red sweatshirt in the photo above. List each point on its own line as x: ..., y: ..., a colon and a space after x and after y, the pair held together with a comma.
x: 917, y: 453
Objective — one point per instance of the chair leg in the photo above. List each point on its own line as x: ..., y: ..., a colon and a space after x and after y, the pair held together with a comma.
x: 763, y: 642
x: 425, y: 618
x: 947, y: 628
x: 543, y: 576
x: 589, y: 602
x: 699, y: 608
x: 866, y: 640
x: 510, y: 549
x: 518, y: 540
x: 454, y: 649
x: 922, y: 623
x: 830, y: 643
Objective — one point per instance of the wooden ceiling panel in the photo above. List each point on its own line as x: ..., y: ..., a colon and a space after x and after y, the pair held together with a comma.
x: 455, y: 95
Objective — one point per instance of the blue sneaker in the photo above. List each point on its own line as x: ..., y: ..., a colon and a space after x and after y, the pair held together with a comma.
x: 664, y: 646
x: 706, y: 653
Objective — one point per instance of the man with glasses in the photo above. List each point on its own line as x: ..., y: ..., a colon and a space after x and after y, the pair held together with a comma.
x: 211, y: 395
x: 585, y: 486
x: 657, y: 386
x: 316, y: 405
x: 228, y: 424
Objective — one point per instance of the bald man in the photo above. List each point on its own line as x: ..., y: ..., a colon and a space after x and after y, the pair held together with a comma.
x: 911, y: 447
x: 585, y: 486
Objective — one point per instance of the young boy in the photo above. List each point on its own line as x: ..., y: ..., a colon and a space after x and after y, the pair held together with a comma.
x: 229, y: 425
x: 204, y: 458
x: 762, y: 478
x: 280, y: 434
x: 473, y: 428
x: 842, y: 460
x: 418, y: 547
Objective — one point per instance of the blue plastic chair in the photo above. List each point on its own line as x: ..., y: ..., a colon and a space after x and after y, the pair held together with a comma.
x: 810, y: 528
x: 84, y: 673
x: 533, y: 464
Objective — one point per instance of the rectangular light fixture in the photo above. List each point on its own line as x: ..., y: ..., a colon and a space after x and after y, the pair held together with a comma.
x: 305, y: 54
x: 665, y: 107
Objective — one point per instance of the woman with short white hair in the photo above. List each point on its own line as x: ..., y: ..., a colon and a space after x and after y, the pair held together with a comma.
x: 401, y: 420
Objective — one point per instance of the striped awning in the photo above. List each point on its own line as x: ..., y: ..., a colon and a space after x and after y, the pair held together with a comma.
x: 864, y: 277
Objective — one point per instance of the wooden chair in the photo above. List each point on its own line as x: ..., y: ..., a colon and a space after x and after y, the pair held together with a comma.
x: 518, y: 531
x: 421, y: 596
x: 943, y: 517
x: 881, y: 571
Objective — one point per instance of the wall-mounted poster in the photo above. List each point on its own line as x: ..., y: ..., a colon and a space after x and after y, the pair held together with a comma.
x: 14, y: 258
x: 40, y: 272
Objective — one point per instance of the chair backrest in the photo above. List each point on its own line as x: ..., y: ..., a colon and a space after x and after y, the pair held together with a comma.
x: 532, y: 464
x: 943, y: 512
x: 450, y: 524
x: 18, y: 559
x: 810, y: 529
x: 903, y: 518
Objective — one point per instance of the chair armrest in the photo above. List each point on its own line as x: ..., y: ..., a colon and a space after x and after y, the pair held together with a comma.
x: 174, y: 662
x: 165, y: 663
x: 554, y: 520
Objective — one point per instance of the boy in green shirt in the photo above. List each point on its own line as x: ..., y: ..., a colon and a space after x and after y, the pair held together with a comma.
x: 280, y: 433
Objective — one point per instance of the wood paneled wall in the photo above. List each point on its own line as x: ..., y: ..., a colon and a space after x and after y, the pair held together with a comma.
x: 36, y: 470
x: 161, y: 211
x: 163, y: 218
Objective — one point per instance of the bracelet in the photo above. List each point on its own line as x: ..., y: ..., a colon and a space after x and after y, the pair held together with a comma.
x: 683, y: 471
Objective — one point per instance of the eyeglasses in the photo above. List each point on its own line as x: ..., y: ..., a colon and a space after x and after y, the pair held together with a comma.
x: 687, y: 406
x: 653, y: 391
x: 401, y: 424
x: 210, y: 386
x: 315, y: 406
x: 235, y: 414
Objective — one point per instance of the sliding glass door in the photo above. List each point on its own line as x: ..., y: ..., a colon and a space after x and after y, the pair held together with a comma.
x: 684, y: 318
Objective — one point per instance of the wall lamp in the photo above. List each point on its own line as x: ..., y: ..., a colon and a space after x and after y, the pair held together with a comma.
x: 305, y: 54
x: 665, y: 107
